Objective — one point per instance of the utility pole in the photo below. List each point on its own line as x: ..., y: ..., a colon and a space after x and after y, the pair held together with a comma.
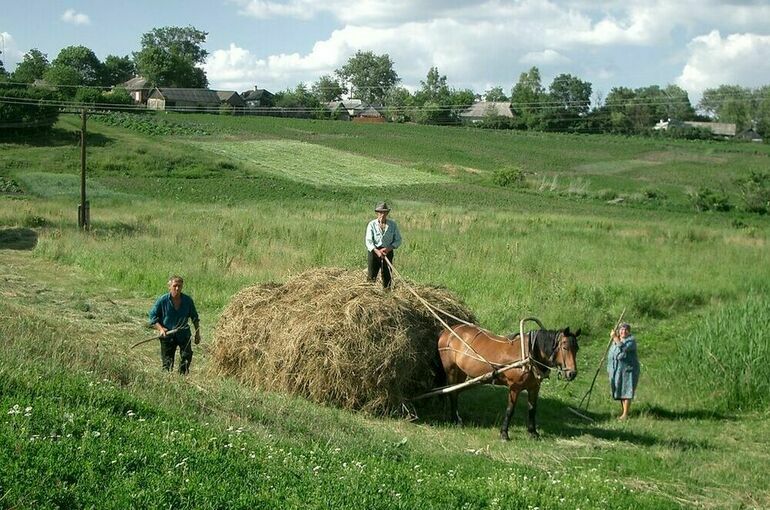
x: 84, y: 212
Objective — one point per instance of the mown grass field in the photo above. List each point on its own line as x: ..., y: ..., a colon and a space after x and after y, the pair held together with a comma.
x: 230, y: 201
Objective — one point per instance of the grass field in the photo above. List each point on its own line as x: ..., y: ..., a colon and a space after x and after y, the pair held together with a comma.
x: 229, y: 201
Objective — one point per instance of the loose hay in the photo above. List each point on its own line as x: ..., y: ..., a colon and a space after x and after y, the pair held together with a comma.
x: 331, y: 336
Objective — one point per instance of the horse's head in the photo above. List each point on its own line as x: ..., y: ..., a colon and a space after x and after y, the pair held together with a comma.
x: 565, y: 350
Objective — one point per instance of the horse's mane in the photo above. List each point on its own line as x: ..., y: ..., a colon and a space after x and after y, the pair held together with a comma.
x: 544, y: 340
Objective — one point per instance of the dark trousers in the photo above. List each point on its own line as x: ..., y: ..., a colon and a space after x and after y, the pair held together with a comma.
x: 375, y: 263
x: 168, y: 351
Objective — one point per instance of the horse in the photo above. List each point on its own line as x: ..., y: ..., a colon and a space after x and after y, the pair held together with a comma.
x: 469, y: 351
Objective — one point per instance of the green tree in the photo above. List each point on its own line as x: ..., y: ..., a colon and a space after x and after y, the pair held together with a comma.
x: 528, y: 99
x: 80, y: 59
x: 369, y: 76
x: 327, y: 89
x: 762, y: 114
x: 399, y: 105
x: 32, y: 67
x: 729, y: 103
x: 569, y: 99
x: 434, y: 99
x: 66, y: 76
x: 495, y: 94
x: 3, y: 72
x: 170, y: 55
x: 117, y: 70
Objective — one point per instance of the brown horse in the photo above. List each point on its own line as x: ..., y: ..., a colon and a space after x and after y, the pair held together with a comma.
x: 480, y: 352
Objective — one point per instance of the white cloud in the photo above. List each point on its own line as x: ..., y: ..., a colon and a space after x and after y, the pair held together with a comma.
x: 75, y: 18
x: 546, y: 57
x: 11, y: 54
x: 738, y: 59
x: 476, y: 43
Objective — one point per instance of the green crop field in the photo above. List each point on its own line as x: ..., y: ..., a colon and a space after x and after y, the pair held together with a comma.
x: 599, y: 224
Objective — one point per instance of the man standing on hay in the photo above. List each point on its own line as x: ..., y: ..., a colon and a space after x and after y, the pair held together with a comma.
x: 169, y: 316
x: 382, y: 238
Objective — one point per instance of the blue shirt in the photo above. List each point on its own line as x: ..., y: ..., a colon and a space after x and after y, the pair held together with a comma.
x: 163, y: 312
x: 376, y: 237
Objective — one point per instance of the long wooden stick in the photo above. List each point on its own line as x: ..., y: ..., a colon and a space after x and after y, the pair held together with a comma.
x: 157, y: 337
x: 598, y: 369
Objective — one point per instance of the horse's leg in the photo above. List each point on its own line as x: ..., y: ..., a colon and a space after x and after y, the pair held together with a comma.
x: 513, y: 396
x: 532, y: 394
x: 454, y: 414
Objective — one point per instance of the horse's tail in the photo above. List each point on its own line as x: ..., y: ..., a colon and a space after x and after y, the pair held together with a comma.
x: 439, y: 375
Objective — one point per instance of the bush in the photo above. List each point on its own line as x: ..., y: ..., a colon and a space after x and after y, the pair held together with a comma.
x: 755, y: 192
x: 706, y: 199
x: 509, y: 177
x: 30, y: 116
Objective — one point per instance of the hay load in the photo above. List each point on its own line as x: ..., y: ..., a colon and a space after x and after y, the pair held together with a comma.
x: 334, y: 338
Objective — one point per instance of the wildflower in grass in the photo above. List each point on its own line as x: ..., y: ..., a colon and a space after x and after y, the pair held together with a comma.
x: 16, y: 409
x: 130, y: 413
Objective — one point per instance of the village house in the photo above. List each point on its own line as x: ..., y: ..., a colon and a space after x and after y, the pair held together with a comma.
x: 179, y: 99
x: 482, y: 110
x: 257, y: 98
x: 137, y: 88
x: 718, y: 129
x: 231, y: 98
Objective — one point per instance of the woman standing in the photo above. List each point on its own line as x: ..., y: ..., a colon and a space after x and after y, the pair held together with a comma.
x: 623, y: 367
x: 382, y: 237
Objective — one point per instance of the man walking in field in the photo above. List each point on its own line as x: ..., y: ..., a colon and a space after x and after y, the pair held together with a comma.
x: 169, y: 316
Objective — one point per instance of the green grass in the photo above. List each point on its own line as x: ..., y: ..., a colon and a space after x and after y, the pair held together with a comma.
x: 259, y: 199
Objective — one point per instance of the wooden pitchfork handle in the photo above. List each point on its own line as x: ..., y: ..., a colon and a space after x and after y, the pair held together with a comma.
x: 598, y: 369
x: 157, y: 337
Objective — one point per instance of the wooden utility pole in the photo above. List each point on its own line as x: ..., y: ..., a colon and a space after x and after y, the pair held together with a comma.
x: 84, y: 212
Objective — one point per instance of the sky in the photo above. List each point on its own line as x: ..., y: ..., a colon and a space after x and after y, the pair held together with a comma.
x: 476, y: 44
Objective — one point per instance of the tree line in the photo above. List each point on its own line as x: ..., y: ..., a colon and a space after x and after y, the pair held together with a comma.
x: 171, y: 57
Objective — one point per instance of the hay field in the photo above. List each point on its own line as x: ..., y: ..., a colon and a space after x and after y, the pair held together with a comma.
x: 104, y: 421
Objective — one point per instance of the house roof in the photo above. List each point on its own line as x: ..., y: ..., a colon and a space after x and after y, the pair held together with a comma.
x: 135, y: 83
x: 484, y: 108
x: 369, y: 111
x: 718, y: 128
x: 255, y: 95
x: 200, y: 96
x: 224, y: 95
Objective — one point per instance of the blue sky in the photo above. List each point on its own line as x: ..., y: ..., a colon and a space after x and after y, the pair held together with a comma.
x: 276, y: 44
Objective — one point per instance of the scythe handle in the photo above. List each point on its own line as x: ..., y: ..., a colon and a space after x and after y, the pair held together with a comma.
x: 156, y: 337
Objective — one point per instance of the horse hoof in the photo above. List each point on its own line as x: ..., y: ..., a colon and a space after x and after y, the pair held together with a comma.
x: 534, y: 435
x: 504, y: 436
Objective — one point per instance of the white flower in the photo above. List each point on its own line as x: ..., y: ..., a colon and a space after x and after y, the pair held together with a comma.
x: 15, y: 409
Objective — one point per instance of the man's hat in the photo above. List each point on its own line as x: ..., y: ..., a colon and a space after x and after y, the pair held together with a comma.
x: 382, y: 207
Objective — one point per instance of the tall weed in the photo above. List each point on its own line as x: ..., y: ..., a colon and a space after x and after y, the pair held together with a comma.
x: 725, y: 359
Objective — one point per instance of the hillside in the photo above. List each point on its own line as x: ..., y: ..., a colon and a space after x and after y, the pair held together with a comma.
x: 601, y: 224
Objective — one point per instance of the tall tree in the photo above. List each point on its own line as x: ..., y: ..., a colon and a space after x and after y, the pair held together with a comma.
x: 76, y: 64
x: 327, y: 89
x: 117, y: 70
x: 399, y: 105
x: 729, y: 103
x: 569, y: 99
x: 369, y: 76
x: 170, y: 55
x: 495, y: 94
x: 762, y: 115
x: 434, y: 99
x: 32, y: 67
x: 527, y: 100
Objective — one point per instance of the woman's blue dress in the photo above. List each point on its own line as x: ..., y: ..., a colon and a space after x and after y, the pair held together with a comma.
x: 623, y: 368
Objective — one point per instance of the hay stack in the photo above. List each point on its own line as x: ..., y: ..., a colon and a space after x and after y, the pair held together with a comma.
x: 333, y: 337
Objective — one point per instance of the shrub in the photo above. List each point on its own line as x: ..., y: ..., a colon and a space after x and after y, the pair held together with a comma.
x: 706, y: 199
x: 755, y: 192
x: 18, y: 114
x: 509, y: 177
